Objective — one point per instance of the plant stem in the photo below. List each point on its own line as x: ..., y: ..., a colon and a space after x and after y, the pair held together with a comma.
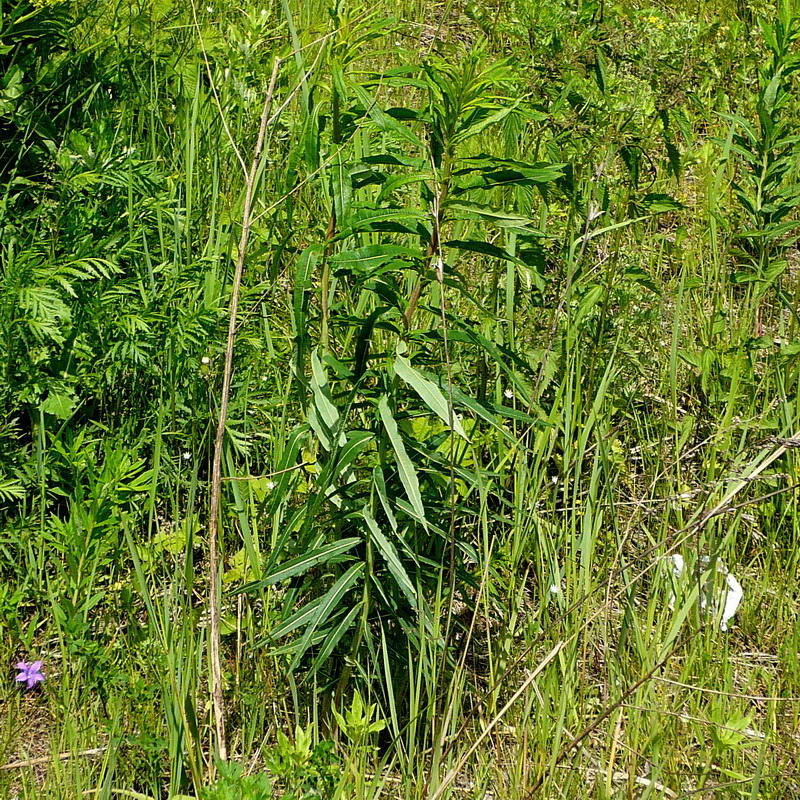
x: 216, y: 474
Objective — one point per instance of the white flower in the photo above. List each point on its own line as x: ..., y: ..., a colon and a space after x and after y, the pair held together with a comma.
x: 270, y: 485
x: 263, y: 379
x: 210, y: 9
x: 187, y: 456
x: 508, y: 394
x: 205, y: 360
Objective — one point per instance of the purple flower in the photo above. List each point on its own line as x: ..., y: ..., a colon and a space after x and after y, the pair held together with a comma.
x: 31, y: 674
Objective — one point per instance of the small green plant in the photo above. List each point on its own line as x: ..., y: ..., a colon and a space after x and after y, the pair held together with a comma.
x: 731, y: 732
x: 359, y: 723
x: 233, y: 784
x: 303, y: 770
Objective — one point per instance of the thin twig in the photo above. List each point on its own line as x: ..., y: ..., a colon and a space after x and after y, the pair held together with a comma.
x: 216, y: 471
x: 268, y: 474
x: 32, y: 762
x: 738, y: 695
x: 605, y: 714
x: 451, y: 776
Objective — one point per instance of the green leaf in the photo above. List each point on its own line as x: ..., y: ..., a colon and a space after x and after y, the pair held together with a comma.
x: 302, y: 287
x: 429, y: 392
x: 291, y: 647
x: 371, y: 219
x: 482, y: 119
x: 351, y: 448
x: 59, y: 405
x: 332, y: 639
x: 342, y: 187
x: 383, y: 121
x: 505, y: 170
x: 379, y: 483
x: 11, y: 489
x: 301, y: 564
x: 660, y: 203
x: 323, y: 417
x: 408, y: 476
x: 502, y: 219
x: 771, y: 92
x: 369, y: 258
x: 296, y: 620
x: 390, y: 556
x: 600, y: 71
x: 327, y: 606
x: 484, y: 248
x: 365, y: 328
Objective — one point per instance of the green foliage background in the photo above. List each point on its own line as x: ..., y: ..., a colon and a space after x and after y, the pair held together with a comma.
x: 519, y: 322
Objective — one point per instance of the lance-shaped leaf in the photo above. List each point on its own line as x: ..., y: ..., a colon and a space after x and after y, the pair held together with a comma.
x: 429, y: 392
x: 341, y: 187
x: 302, y: 285
x: 485, y: 248
x: 365, y: 260
x: 296, y: 620
x: 301, y: 564
x: 389, y: 555
x: 332, y: 639
x: 482, y: 118
x: 363, y: 220
x: 323, y: 415
x: 502, y: 219
x: 327, y: 606
x: 379, y: 483
x: 408, y: 475
x: 383, y: 121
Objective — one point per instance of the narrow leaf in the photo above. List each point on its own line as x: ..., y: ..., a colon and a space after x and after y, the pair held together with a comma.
x: 389, y: 554
x: 408, y: 476
x: 429, y: 392
x: 326, y: 607
x: 301, y: 564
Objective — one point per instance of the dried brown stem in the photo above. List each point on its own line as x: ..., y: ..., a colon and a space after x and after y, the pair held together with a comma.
x: 32, y: 762
x: 216, y: 471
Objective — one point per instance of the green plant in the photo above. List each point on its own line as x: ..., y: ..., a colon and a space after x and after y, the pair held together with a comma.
x: 517, y: 323
x: 386, y: 496
x: 303, y: 769
x: 767, y: 190
x: 234, y: 784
